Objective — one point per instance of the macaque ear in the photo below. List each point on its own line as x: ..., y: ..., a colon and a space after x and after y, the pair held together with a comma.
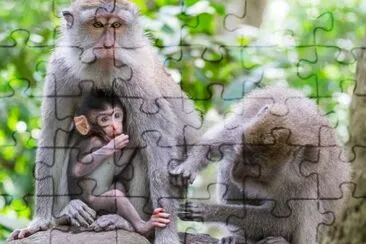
x: 69, y: 17
x: 82, y: 124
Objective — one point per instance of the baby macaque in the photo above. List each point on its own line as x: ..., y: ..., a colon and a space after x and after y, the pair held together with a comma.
x: 92, y: 170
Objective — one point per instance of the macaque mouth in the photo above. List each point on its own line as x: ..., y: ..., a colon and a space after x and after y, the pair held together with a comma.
x: 114, y: 134
x: 105, y: 53
x: 104, y: 59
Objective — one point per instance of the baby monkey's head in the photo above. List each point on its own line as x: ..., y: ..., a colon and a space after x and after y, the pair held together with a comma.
x: 100, y: 113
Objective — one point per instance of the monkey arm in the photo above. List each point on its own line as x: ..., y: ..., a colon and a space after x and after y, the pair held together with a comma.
x: 89, y: 162
x: 98, y: 154
x: 250, y: 218
x: 51, y: 159
x: 223, y: 137
x: 211, y: 143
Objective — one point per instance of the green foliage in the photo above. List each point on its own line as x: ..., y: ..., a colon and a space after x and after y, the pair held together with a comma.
x: 313, y: 49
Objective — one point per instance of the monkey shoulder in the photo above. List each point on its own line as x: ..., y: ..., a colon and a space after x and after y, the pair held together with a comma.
x: 58, y: 65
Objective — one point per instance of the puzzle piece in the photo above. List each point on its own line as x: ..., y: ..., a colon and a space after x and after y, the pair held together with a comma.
x: 210, y: 50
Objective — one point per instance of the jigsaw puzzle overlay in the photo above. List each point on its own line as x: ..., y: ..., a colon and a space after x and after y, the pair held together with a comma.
x: 267, y: 165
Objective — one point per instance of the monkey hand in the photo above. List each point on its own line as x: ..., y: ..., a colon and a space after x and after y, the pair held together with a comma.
x: 192, y: 211
x: 114, y: 145
x: 184, y: 173
x: 273, y: 239
x: 76, y: 213
x: 111, y: 222
x: 234, y: 240
x: 160, y: 218
x: 35, y: 226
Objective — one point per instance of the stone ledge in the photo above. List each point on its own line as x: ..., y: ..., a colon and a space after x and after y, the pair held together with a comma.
x: 55, y: 236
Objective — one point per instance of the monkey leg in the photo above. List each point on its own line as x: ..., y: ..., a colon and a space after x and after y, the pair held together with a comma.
x: 164, y: 195
x: 115, y: 200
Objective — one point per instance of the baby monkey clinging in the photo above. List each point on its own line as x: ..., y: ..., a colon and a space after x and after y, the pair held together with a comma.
x: 92, y: 170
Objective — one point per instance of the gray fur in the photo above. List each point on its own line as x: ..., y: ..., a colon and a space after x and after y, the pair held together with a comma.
x: 140, y: 81
x: 295, y: 179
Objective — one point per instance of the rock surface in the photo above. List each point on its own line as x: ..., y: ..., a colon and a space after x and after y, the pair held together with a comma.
x: 58, y: 237
x: 119, y: 237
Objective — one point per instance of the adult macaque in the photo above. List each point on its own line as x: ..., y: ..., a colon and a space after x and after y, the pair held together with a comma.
x: 103, y: 44
x: 92, y: 168
x: 281, y: 173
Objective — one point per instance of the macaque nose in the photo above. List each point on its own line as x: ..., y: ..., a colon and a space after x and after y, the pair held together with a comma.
x: 114, y: 127
x: 109, y: 40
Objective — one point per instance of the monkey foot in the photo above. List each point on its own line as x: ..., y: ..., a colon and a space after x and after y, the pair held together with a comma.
x: 37, y: 225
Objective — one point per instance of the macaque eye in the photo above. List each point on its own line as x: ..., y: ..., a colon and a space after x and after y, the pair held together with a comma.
x: 104, y: 119
x: 116, y: 25
x: 98, y: 24
x: 117, y: 115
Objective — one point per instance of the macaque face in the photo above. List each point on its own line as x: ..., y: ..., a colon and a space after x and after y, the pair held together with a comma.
x: 105, y: 28
x: 104, y: 31
x: 109, y: 120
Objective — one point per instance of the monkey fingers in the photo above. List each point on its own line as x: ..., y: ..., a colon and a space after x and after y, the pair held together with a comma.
x: 191, y: 211
x: 14, y: 235
x: 74, y: 222
x: 77, y: 213
x: 273, y: 240
x: 159, y: 218
x: 79, y: 218
x: 232, y: 240
x: 158, y: 210
x: 86, y: 217
x: 27, y: 232
x: 116, y: 143
x: 70, y: 215
x: 87, y: 213
x: 33, y: 228
x: 178, y: 180
x: 121, y: 141
x: 183, y: 174
x: 63, y: 220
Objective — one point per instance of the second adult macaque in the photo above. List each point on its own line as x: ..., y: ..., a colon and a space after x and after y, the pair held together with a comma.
x: 281, y: 172
x: 93, y: 167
